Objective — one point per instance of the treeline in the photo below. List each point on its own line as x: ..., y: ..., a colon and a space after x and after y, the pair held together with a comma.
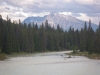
x: 19, y: 37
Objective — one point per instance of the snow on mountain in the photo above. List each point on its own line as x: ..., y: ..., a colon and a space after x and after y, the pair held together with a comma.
x: 64, y: 21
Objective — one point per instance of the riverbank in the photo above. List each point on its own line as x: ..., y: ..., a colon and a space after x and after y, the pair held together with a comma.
x: 34, y: 53
x: 6, y: 56
x: 3, y: 56
x: 25, y: 54
x: 91, y: 56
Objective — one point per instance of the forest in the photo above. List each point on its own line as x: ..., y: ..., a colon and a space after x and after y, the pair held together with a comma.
x: 22, y: 37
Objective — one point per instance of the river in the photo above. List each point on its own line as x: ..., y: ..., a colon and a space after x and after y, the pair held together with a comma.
x: 51, y: 63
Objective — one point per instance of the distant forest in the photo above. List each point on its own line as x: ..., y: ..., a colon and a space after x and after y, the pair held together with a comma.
x: 20, y: 37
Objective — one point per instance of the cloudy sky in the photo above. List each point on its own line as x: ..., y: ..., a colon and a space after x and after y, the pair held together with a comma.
x: 81, y: 9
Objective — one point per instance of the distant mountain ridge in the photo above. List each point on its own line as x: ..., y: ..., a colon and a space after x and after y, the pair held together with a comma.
x: 37, y: 20
x: 64, y: 21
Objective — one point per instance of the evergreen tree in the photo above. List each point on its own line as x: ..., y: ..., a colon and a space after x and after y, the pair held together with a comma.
x: 97, y: 40
x: 30, y: 39
x: 16, y: 37
x: 1, y: 27
x: 43, y: 38
x: 83, y: 38
x: 56, y: 41
x: 90, y: 35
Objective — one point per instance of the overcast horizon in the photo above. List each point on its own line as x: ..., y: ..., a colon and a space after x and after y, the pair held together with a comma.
x: 21, y: 9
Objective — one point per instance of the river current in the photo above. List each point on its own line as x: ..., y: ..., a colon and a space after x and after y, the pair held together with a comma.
x: 51, y: 63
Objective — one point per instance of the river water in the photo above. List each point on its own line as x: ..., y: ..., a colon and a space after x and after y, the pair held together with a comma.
x: 49, y: 64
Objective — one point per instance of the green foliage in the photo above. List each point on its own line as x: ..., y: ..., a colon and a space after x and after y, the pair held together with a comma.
x: 18, y: 37
x: 2, y: 56
x: 75, y: 49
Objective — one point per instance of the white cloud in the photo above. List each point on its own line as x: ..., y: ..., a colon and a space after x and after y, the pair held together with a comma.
x: 67, y: 0
x: 86, y: 1
x: 85, y: 17
x: 23, y: 8
x: 66, y: 13
x: 40, y: 14
x: 96, y: 20
x: 12, y: 11
x: 91, y: 2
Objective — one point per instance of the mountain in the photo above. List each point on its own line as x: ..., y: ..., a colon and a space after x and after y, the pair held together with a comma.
x: 64, y: 21
x: 37, y: 20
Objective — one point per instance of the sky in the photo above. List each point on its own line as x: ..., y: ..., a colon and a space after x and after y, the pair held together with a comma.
x: 21, y: 9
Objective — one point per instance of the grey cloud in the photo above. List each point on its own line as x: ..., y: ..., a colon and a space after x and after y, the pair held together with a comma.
x: 61, y: 6
x: 15, y: 3
x: 54, y: 6
x: 46, y: 2
x: 16, y: 15
x: 80, y: 8
x: 7, y: 8
x: 76, y: 14
x: 93, y: 14
x: 20, y: 15
x: 39, y: 6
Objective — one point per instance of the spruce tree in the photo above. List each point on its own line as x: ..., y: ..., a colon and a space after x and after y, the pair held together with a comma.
x: 90, y: 35
x: 1, y: 31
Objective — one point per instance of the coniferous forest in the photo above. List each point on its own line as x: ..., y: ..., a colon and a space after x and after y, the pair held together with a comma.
x: 20, y: 37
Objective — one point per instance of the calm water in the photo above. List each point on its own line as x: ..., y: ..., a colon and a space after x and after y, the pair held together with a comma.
x: 49, y: 64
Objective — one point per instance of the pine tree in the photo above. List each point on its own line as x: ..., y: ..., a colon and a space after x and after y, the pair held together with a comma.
x: 46, y: 24
x: 30, y: 39
x: 66, y: 45
x: 43, y: 38
x: 83, y: 38
x: 56, y: 41
x: 90, y: 35
x: 97, y: 40
x: 9, y: 37
x: 77, y: 39
x: 1, y: 27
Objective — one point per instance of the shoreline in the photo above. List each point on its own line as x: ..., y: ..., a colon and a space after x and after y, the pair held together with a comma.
x: 90, y: 56
x: 7, y: 56
x: 3, y: 56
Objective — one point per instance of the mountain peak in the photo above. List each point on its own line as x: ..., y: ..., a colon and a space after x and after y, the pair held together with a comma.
x: 64, y: 21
